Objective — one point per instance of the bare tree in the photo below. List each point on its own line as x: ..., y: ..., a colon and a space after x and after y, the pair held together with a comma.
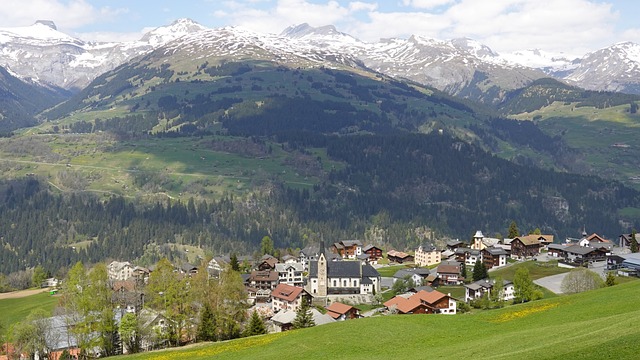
x: 579, y: 280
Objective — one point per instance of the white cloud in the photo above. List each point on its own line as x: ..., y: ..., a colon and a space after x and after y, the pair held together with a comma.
x: 70, y: 14
x: 426, y: 4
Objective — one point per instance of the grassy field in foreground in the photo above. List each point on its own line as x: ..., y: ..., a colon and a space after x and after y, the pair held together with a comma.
x: 600, y: 324
x: 16, y: 310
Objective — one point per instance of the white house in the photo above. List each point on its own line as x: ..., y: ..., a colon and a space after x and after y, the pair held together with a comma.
x: 477, y: 289
x: 120, y: 270
x: 290, y: 273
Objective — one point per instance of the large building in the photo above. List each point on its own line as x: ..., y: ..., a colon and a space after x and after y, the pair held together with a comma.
x: 341, y: 277
x: 427, y: 255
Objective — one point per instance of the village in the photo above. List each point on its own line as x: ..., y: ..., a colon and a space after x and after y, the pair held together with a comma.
x: 342, y: 281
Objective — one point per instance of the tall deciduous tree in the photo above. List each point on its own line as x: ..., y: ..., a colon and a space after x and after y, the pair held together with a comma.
x: 39, y: 276
x: 33, y: 335
x: 523, y: 286
x: 169, y: 292
x: 130, y: 332
x: 266, y: 245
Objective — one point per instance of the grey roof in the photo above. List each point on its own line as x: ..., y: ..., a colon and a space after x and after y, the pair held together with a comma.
x: 280, y: 267
x: 496, y: 251
x: 348, y: 269
x: 410, y: 272
x: 485, y: 283
x: 467, y: 250
x: 287, y: 317
x: 369, y: 247
x: 351, y: 242
x: 363, y: 256
x: 426, y: 288
x: 453, y: 242
x: 428, y: 247
x: 600, y: 245
x: 557, y: 246
x: 580, y: 250
x: 366, y: 281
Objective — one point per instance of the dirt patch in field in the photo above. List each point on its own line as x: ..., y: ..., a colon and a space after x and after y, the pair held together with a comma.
x: 21, y: 293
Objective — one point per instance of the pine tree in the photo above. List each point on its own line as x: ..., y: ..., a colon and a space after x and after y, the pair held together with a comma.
x: 207, y: 326
x: 634, y: 243
x: 235, y: 265
x: 480, y: 271
x: 513, y: 230
x: 463, y: 271
x: 304, y: 317
x: 256, y: 325
x: 610, y: 280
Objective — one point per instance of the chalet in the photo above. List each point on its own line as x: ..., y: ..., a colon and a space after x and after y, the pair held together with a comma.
x: 494, y: 257
x: 614, y: 262
x: 218, y: 264
x: 347, y: 249
x: 289, y: 259
x: 418, y: 275
x: 545, y: 240
x: 341, y: 277
x: 583, y: 254
x: 624, y: 240
x: 188, y: 269
x: 525, y: 246
x: 291, y: 274
x: 117, y: 270
x: 399, y: 257
x: 427, y: 255
x: 449, y: 273
x: 477, y: 289
x: 374, y: 252
x: 468, y: 256
x: 454, y: 244
x: 263, y: 279
x: 556, y: 250
x: 50, y: 282
x: 339, y: 311
x: 267, y: 262
x: 287, y: 297
x: 423, y: 302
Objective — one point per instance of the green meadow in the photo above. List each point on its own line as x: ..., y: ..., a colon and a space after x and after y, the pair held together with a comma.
x: 600, y: 324
x: 16, y: 310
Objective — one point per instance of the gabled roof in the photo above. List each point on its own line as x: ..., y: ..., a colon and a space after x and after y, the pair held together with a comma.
x: 495, y: 251
x: 287, y: 292
x: 597, y: 237
x: 546, y: 238
x: 452, y: 243
x: 580, y: 250
x: 428, y: 298
x: 336, y: 309
x: 351, y: 243
x: 448, y: 268
x: 528, y: 240
x: 369, y: 247
x: 398, y: 254
x: 285, y: 267
x: 427, y: 247
x: 287, y: 317
x: 263, y: 275
x: 346, y: 269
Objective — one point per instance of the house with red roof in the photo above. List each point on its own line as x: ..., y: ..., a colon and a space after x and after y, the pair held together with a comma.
x: 340, y: 311
x: 423, y: 302
x: 287, y: 297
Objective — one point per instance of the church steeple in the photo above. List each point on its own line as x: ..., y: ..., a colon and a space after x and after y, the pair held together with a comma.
x: 322, y: 271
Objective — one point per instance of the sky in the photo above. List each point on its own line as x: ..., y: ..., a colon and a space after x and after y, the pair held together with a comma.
x: 572, y: 27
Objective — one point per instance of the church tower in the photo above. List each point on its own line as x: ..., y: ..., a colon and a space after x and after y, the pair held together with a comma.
x: 322, y: 272
x: 477, y: 241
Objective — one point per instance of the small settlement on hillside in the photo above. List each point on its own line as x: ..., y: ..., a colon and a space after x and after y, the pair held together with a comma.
x: 334, y: 278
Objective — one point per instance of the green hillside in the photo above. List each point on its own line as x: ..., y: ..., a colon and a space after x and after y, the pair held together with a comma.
x: 16, y: 310
x: 600, y: 324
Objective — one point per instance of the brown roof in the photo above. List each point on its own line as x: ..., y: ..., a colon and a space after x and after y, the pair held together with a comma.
x: 287, y: 292
x: 597, y: 237
x: 448, y: 269
x: 398, y: 254
x: 338, y: 309
x: 428, y: 298
x: 546, y: 238
x: 263, y: 275
x: 124, y: 285
x: 528, y: 240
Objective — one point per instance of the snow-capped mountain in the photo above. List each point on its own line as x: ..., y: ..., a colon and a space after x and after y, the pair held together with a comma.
x: 615, y: 68
x: 42, y: 53
x: 458, y: 66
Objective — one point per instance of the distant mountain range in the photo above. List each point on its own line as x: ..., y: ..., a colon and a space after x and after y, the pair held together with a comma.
x: 460, y: 67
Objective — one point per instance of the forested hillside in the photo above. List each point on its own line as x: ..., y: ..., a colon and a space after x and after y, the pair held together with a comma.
x: 389, y: 187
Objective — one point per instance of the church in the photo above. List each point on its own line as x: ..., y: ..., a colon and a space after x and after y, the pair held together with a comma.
x: 341, y: 277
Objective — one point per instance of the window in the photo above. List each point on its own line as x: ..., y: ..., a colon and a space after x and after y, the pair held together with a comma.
x: 335, y: 283
x: 344, y: 283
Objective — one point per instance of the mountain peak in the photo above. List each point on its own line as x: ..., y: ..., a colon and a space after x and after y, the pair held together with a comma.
x: 176, y: 29
x: 48, y: 23
x: 304, y: 29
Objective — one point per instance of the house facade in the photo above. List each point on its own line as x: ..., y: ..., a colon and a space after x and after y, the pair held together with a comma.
x: 117, y: 270
x: 449, y: 273
x: 290, y: 273
x: 479, y: 288
x: 347, y: 249
x: 423, y: 302
x: 339, y: 311
x: 525, y: 246
x: 399, y: 257
x: 494, y: 257
x: 374, y: 253
x: 427, y: 255
x: 287, y: 297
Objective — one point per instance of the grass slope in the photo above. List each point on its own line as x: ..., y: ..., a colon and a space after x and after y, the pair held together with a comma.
x: 16, y: 310
x: 600, y: 324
